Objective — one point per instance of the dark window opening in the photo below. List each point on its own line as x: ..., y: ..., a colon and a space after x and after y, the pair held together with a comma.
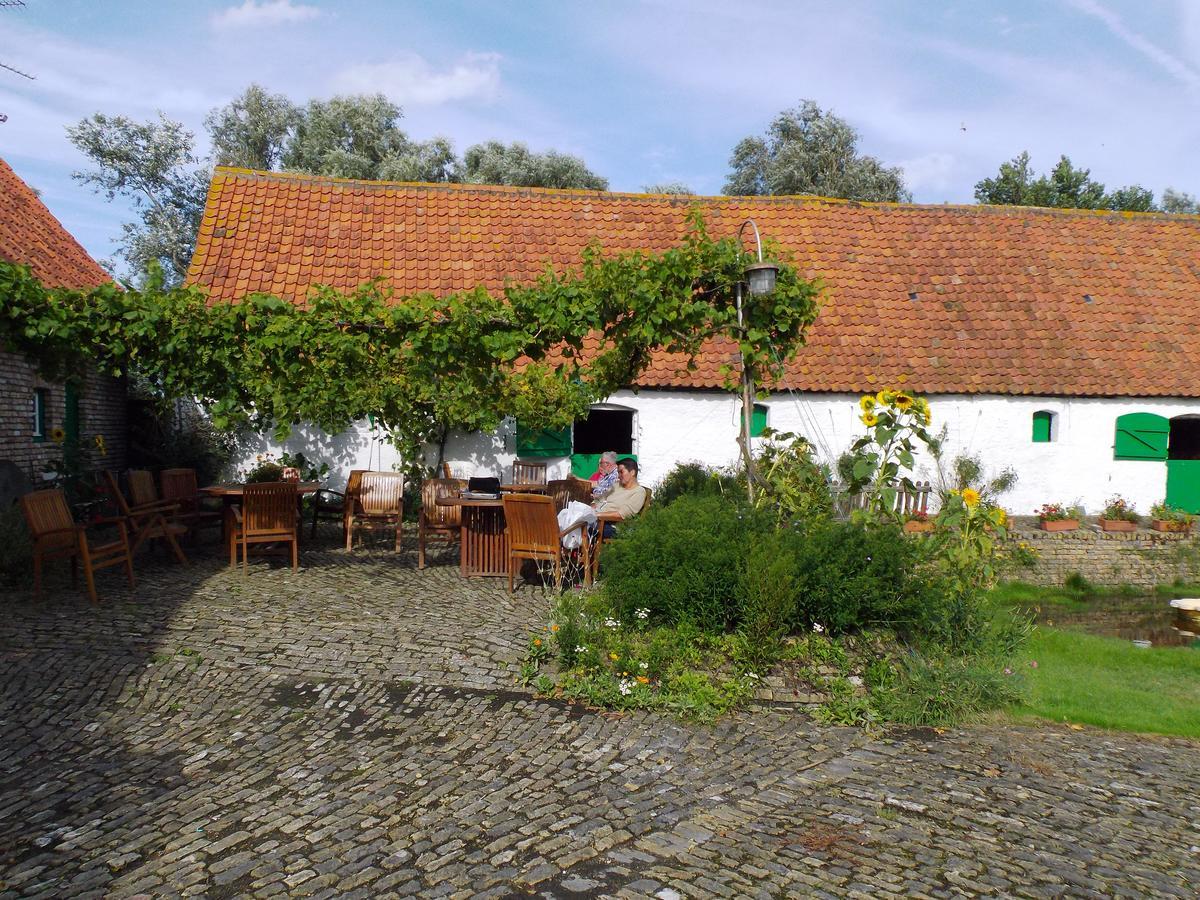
x: 1184, y: 442
x: 605, y: 429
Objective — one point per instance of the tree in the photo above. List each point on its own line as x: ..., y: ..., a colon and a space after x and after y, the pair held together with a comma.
x: 1174, y: 201
x: 252, y: 131
x: 151, y: 164
x: 348, y: 137
x: 515, y: 164
x: 1065, y: 187
x: 669, y: 187
x: 809, y: 151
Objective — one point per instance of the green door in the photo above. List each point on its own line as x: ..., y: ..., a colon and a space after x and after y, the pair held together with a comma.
x: 1183, y: 484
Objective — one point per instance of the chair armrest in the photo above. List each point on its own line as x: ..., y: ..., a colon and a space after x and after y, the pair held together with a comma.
x: 74, y: 529
x: 581, y: 525
x: 236, y: 512
x: 157, y: 506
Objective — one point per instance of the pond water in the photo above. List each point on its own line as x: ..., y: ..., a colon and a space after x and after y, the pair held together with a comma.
x: 1130, y: 618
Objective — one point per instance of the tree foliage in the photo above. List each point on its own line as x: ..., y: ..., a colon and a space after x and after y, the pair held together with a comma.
x: 494, y: 162
x: 420, y: 362
x: 808, y: 150
x: 1064, y: 187
x: 668, y: 187
x: 1174, y: 201
x: 252, y: 131
x: 151, y: 164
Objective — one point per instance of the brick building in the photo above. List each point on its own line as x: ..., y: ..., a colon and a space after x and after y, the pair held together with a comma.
x: 30, y: 406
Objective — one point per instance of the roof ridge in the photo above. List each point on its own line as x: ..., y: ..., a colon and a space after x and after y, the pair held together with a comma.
x: 685, y: 199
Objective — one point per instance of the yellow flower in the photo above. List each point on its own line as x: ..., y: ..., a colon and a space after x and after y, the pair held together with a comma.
x: 613, y: 656
x: 642, y: 679
x: 57, y: 435
x: 870, y: 419
x: 903, y: 402
x: 101, y: 447
x: 1001, y: 517
x: 537, y: 642
x: 970, y: 497
x: 867, y: 402
x: 886, y: 397
x: 554, y: 628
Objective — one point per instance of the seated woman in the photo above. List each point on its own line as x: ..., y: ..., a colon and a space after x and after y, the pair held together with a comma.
x: 626, y: 499
x: 604, y: 479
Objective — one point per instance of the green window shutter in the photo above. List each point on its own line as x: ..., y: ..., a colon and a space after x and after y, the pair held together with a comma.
x: 543, y: 441
x: 71, y: 419
x: 1041, y: 426
x: 1141, y: 436
x: 758, y: 420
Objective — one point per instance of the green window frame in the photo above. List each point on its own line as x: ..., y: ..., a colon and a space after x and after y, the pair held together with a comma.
x: 1141, y: 436
x: 41, y: 402
x: 1043, y: 426
x: 543, y: 442
x: 758, y: 420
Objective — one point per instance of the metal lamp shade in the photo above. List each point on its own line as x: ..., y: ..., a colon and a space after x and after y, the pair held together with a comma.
x: 761, y: 277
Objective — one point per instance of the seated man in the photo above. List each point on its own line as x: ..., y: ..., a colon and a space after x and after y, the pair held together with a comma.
x: 604, y: 479
x: 626, y: 499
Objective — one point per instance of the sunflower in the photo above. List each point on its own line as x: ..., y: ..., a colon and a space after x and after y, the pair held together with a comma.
x: 886, y: 397
x: 867, y: 402
x: 903, y: 402
x: 970, y: 498
x: 869, y: 419
x: 57, y: 435
x: 101, y: 446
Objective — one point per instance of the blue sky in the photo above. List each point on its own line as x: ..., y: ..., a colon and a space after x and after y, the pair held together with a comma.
x: 644, y: 92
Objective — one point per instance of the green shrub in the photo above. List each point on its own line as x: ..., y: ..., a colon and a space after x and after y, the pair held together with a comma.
x: 768, y: 602
x: 851, y: 576
x: 684, y: 562
x: 790, y: 482
x: 692, y: 479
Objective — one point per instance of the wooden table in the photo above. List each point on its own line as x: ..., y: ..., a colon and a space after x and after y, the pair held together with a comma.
x: 484, y: 551
x: 527, y: 488
x: 231, y: 492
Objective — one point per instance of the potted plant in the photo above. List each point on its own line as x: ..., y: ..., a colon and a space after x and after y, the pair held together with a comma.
x: 918, y: 523
x: 1164, y: 517
x: 1118, y: 515
x: 1056, y: 517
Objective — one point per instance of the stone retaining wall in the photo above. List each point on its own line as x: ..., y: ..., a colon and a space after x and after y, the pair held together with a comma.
x: 1143, y: 557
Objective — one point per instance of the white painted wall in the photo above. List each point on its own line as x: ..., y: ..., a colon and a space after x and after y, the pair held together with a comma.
x: 677, y: 426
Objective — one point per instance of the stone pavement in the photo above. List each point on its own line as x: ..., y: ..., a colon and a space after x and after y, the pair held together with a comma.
x: 354, y: 730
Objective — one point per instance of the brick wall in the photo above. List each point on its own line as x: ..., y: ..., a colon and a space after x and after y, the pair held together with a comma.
x: 1141, y: 557
x: 101, y: 411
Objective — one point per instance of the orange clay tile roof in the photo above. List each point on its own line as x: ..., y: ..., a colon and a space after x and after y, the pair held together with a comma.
x: 31, y: 236
x: 944, y: 299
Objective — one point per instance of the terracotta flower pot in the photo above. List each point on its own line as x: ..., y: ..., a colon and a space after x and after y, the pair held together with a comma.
x: 1117, y: 525
x: 915, y: 526
x: 1059, y: 524
x: 1169, y: 525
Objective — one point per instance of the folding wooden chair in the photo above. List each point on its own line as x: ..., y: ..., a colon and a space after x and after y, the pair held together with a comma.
x: 565, y: 490
x: 442, y: 521
x: 57, y: 536
x: 149, y: 521
x: 528, y: 472
x: 379, y: 504
x: 266, y: 515
x: 533, y: 533
x: 336, y: 506
x: 179, y: 486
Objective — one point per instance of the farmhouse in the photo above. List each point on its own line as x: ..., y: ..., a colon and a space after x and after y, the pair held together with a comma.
x: 32, y: 408
x: 1065, y: 344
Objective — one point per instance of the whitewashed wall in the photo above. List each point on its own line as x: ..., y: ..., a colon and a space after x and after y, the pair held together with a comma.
x: 676, y: 426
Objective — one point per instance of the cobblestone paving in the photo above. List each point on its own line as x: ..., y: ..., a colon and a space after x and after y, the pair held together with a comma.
x: 354, y: 731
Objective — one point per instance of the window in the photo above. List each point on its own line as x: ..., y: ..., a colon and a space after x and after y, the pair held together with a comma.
x: 1141, y: 436
x: 758, y: 420
x: 1043, y: 427
x: 41, y: 400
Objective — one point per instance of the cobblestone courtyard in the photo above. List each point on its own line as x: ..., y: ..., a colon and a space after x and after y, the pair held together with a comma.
x: 354, y: 730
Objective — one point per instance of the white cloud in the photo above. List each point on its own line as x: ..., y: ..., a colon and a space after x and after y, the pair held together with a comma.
x: 254, y: 14
x: 1146, y: 47
x: 410, y: 79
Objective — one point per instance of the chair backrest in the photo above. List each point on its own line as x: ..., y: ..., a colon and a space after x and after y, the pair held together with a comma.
x: 354, y: 483
x: 528, y: 472
x: 646, y: 502
x: 269, y: 508
x: 47, y: 511
x: 180, y: 485
x: 381, y: 493
x: 141, y: 487
x: 564, y: 490
x: 532, y: 522
x: 114, y: 489
x: 446, y: 473
x: 441, y: 516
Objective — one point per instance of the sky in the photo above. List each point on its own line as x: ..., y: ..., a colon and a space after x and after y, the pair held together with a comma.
x: 644, y: 92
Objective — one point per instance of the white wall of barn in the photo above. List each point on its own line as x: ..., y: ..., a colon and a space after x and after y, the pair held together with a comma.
x: 676, y: 426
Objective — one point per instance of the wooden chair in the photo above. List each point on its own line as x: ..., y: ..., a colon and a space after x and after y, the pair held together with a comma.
x: 267, y: 515
x: 528, y: 472
x: 533, y: 533
x: 336, y: 506
x: 141, y: 487
x: 443, y: 521
x: 57, y: 536
x: 149, y: 521
x: 379, y: 504
x: 179, y: 486
x: 565, y: 490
